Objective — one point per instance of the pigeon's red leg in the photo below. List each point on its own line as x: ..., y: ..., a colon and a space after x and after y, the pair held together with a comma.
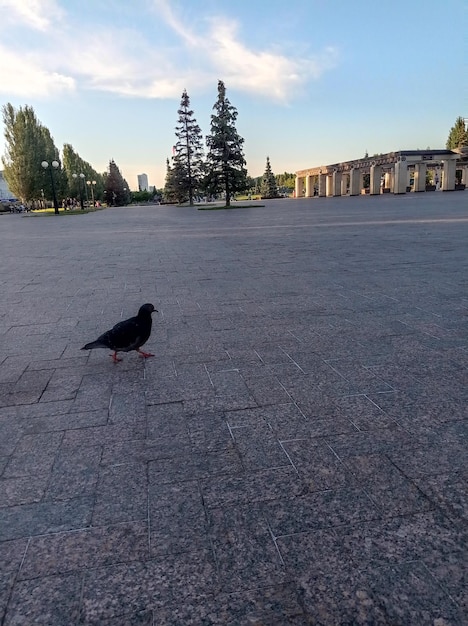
x: 145, y: 355
x: 115, y: 358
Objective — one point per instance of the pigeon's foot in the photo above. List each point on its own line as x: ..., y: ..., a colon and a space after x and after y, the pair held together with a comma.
x: 115, y: 358
x: 145, y: 355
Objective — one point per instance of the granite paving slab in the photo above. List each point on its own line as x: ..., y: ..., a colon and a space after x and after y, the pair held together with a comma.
x: 294, y: 453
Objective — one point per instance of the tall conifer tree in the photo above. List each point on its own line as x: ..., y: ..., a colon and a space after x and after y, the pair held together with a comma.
x: 117, y: 192
x: 188, y: 158
x: 458, y: 136
x: 225, y: 159
x: 268, y: 186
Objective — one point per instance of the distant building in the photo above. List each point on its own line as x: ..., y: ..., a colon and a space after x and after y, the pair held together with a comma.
x: 142, y: 182
x: 5, y: 193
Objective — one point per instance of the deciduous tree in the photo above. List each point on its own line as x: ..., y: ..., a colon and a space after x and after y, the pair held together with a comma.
x: 28, y: 143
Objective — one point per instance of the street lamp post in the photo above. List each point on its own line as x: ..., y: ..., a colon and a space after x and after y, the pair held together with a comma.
x: 80, y: 178
x: 54, y: 165
x: 91, y: 183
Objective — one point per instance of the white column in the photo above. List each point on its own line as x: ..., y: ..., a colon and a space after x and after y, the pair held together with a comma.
x: 375, y: 176
x: 329, y: 186
x: 420, y: 170
x: 322, y: 185
x: 309, y: 189
x: 388, y: 180
x: 401, y: 177
x: 464, y: 178
x: 298, y: 187
x: 344, y: 184
x: 336, y: 183
x: 448, y: 178
x: 354, y: 182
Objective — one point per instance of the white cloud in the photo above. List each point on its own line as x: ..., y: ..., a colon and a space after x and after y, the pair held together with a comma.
x: 263, y: 72
x: 22, y: 75
x: 122, y: 61
x: 37, y: 14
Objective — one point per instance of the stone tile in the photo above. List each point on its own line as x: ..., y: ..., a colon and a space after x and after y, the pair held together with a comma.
x: 75, y: 473
x: 269, y: 484
x: 324, y: 509
x: 369, y: 442
x: 112, y: 504
x: 430, y: 459
x: 22, y: 490
x: 52, y: 601
x: 61, y: 386
x: 266, y: 390
x: 364, y: 414
x: 196, y: 465
x: 99, y: 435
x: 317, y: 465
x: 245, y: 552
x: 117, y: 590
x: 411, y: 595
x: 126, y: 409
x: 271, y: 605
x: 34, y: 454
x: 259, y: 448
x: 166, y: 420
x: 65, y: 421
x: 447, y: 491
x: 331, y: 592
x: 44, y: 517
x: 12, y: 554
x: 427, y: 536
x: 209, y: 431
x: 73, y: 551
x: 177, y: 518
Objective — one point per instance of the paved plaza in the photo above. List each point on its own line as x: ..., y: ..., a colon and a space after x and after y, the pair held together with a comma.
x: 296, y: 451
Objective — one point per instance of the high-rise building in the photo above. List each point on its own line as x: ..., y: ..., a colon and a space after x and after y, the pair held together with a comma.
x: 142, y: 182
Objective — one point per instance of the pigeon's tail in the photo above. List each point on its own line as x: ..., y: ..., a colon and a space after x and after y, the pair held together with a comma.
x: 94, y: 344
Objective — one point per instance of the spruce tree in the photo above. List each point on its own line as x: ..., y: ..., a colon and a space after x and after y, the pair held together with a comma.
x: 268, y: 185
x: 225, y: 159
x: 458, y: 136
x: 175, y: 189
x: 117, y: 192
x: 188, y: 158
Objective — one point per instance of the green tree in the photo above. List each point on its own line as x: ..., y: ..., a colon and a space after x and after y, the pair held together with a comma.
x: 268, y: 186
x: 458, y: 136
x: 74, y: 164
x: 175, y: 188
x: 188, y: 158
x: 225, y: 159
x: 28, y: 143
x: 117, y: 190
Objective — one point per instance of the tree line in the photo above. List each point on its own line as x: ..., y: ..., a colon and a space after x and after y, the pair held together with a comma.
x: 191, y: 174
x: 29, y: 143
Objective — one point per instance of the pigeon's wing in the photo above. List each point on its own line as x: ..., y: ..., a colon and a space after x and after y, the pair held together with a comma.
x: 125, y: 336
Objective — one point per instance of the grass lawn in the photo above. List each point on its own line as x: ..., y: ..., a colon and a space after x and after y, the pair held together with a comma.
x: 47, y: 212
x: 227, y: 208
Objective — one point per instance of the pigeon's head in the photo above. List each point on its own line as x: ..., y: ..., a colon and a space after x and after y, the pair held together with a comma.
x: 147, y: 309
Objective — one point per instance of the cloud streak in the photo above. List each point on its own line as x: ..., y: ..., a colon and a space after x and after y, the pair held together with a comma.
x: 122, y: 61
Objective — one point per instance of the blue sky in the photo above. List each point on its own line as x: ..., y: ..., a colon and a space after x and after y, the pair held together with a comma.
x: 314, y: 81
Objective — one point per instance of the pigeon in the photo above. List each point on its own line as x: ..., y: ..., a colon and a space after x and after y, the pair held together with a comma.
x: 128, y: 335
